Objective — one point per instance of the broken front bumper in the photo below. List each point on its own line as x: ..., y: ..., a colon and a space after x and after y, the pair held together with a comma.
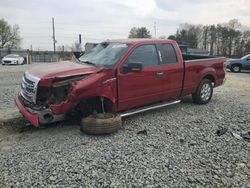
x: 32, y: 118
x: 37, y: 117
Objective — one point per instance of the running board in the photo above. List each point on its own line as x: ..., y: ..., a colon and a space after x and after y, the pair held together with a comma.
x: 146, y: 108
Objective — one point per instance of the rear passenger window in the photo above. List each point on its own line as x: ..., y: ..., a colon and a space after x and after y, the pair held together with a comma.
x: 168, y: 54
x: 145, y: 54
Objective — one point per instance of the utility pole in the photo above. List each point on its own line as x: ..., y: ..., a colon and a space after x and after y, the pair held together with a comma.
x: 80, y: 39
x: 155, y: 28
x: 29, y: 58
x: 54, y: 38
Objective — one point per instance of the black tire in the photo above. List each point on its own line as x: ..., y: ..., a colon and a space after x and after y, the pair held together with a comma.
x: 235, y: 68
x: 101, y: 124
x: 201, y: 97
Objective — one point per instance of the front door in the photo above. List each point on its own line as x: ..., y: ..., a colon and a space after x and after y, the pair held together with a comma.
x: 139, y: 88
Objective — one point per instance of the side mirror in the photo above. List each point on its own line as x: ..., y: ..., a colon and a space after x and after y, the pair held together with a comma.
x: 132, y: 67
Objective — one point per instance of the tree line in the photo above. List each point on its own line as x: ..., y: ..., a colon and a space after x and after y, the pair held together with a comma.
x: 226, y: 39
x: 9, y: 35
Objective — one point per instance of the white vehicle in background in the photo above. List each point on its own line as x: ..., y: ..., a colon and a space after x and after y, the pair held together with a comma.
x: 13, y: 59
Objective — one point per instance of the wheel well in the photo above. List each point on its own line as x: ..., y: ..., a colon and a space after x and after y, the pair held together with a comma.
x: 240, y: 65
x: 92, y: 105
x: 210, y: 77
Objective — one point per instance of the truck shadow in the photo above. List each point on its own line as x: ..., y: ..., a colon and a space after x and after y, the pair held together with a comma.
x: 72, y: 122
x: 187, y: 100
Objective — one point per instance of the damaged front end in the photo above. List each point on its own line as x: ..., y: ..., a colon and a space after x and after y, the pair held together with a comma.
x: 45, y: 101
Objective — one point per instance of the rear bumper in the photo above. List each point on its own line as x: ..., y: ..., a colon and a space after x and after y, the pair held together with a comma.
x: 220, y: 82
x: 37, y: 117
x: 32, y: 118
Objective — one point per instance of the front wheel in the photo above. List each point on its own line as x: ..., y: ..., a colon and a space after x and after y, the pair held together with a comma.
x: 204, y: 92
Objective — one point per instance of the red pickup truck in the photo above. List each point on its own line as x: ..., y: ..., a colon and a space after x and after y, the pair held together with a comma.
x: 118, y: 76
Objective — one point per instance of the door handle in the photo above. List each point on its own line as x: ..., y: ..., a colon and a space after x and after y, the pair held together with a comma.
x: 159, y: 74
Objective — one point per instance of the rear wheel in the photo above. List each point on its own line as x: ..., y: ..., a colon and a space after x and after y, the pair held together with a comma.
x: 204, y: 92
x: 236, y: 68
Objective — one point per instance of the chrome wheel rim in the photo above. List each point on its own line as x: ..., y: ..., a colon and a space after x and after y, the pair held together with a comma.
x: 236, y: 68
x: 205, y: 92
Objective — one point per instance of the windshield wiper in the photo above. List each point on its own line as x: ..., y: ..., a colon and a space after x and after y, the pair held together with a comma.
x: 90, y: 63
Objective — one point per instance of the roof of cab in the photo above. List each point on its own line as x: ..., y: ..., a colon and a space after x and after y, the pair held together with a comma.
x: 138, y: 41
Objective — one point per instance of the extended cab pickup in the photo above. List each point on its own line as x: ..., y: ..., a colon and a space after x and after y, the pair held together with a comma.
x: 118, y: 76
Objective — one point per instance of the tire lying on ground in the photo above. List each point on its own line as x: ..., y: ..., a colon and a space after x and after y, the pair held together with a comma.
x: 101, y: 124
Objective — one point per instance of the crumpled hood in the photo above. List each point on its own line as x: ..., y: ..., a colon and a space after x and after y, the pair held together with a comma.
x: 62, y: 69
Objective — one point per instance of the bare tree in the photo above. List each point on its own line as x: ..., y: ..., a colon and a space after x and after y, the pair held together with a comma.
x: 189, y: 34
x: 226, y: 39
x: 9, y: 36
x: 139, y: 32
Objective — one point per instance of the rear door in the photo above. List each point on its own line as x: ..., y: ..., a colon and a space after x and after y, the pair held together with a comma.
x: 140, y: 88
x: 172, y: 70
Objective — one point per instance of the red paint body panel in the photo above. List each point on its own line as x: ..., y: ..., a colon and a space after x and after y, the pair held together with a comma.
x: 62, y: 69
x: 197, y: 70
x: 61, y: 108
x: 32, y: 118
x: 128, y: 90
x: 136, y: 89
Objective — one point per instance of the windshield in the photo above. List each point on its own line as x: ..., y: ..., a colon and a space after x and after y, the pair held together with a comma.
x: 108, y: 56
x: 246, y: 56
x: 90, y: 54
x: 12, y: 56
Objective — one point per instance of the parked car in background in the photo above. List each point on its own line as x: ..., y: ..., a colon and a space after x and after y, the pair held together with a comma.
x: 236, y: 65
x: 13, y: 59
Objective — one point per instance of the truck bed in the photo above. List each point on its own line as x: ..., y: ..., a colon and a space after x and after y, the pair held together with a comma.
x: 195, y: 68
x: 196, y: 57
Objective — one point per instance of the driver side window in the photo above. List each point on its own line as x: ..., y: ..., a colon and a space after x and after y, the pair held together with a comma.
x: 145, y: 54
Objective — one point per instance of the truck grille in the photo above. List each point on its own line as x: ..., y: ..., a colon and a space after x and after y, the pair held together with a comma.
x: 29, y: 87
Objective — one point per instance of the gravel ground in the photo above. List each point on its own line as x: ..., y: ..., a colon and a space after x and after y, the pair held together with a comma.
x: 10, y: 79
x: 180, y: 149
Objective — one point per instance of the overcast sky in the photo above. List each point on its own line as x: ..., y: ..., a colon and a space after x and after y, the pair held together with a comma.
x: 98, y: 20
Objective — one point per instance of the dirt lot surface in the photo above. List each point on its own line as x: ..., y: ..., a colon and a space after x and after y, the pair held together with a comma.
x: 180, y: 148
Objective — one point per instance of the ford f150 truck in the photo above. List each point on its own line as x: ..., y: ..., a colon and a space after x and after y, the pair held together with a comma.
x: 118, y: 76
